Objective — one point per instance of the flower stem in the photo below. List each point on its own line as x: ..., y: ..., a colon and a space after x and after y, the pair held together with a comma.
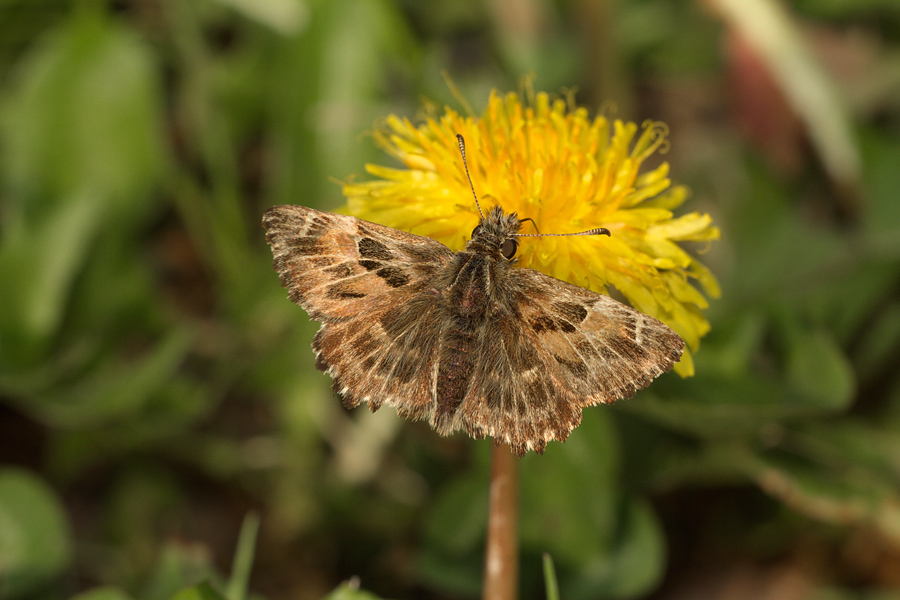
x: 501, y: 561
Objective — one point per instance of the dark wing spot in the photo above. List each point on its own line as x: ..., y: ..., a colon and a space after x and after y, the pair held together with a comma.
x: 539, y: 394
x: 362, y: 230
x: 629, y: 323
x: 576, y: 367
x: 543, y: 323
x: 571, y: 312
x: 586, y: 350
x: 521, y: 407
x: 607, y: 353
x: 369, y: 248
x: 369, y: 265
x: 523, y: 357
x: 364, y: 343
x: 394, y: 323
x: 328, y: 340
x: 393, y: 276
x: 628, y: 348
x: 566, y: 327
x: 344, y: 292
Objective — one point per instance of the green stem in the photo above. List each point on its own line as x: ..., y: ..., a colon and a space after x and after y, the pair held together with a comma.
x: 239, y: 583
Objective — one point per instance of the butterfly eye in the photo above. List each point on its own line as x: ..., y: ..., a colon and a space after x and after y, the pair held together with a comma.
x: 508, y: 248
x: 476, y: 231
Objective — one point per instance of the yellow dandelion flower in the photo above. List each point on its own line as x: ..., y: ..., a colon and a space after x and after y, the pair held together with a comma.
x: 568, y: 173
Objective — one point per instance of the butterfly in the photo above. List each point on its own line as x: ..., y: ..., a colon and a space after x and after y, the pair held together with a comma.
x: 463, y: 339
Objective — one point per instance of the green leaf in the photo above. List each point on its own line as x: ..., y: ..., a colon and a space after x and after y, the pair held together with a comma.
x: 349, y: 590
x: 733, y: 399
x: 634, y: 563
x: 239, y: 583
x: 842, y: 495
x: 359, y: 39
x: 849, y: 9
x: 819, y: 370
x: 81, y: 130
x: 850, y: 444
x: 179, y: 565
x: 569, y: 496
x: 117, y: 387
x: 39, y: 263
x: 202, y: 591
x: 881, y: 220
x: 103, y: 593
x: 787, y: 266
x: 84, y: 114
x: 721, y: 408
x: 454, y: 576
x: 35, y: 542
x: 458, y: 517
x: 846, y: 314
x: 284, y: 16
x: 876, y: 350
x: 732, y: 345
x: 550, y: 583
x: 328, y: 86
x: 451, y: 558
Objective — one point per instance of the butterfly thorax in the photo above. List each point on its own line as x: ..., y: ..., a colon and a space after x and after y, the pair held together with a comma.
x: 476, y: 286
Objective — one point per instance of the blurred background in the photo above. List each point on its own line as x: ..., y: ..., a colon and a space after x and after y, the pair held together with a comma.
x: 156, y: 386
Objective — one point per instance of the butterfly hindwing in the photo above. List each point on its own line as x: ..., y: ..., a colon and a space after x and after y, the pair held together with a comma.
x: 385, y: 356
x: 563, y: 349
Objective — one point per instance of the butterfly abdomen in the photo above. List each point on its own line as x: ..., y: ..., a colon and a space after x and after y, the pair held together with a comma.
x: 454, y: 376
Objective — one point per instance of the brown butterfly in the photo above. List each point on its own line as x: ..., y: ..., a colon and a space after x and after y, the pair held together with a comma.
x: 464, y: 340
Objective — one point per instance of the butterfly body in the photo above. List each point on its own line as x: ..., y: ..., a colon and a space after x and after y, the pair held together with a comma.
x: 464, y: 340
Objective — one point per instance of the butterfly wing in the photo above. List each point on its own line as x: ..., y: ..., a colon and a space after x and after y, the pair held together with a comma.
x: 369, y: 285
x: 562, y: 349
x: 389, y: 337
x: 339, y: 267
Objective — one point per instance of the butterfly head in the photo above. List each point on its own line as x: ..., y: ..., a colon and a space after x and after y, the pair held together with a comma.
x: 496, y: 234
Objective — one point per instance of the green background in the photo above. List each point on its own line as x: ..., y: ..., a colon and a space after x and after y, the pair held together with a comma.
x: 157, y: 387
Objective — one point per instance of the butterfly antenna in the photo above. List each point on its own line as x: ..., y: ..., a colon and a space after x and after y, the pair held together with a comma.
x: 595, y: 231
x: 462, y: 151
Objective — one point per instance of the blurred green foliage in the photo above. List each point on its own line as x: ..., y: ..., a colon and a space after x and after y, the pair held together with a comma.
x: 156, y: 385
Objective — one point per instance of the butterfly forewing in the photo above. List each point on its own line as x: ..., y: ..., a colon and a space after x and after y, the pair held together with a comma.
x: 339, y: 267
